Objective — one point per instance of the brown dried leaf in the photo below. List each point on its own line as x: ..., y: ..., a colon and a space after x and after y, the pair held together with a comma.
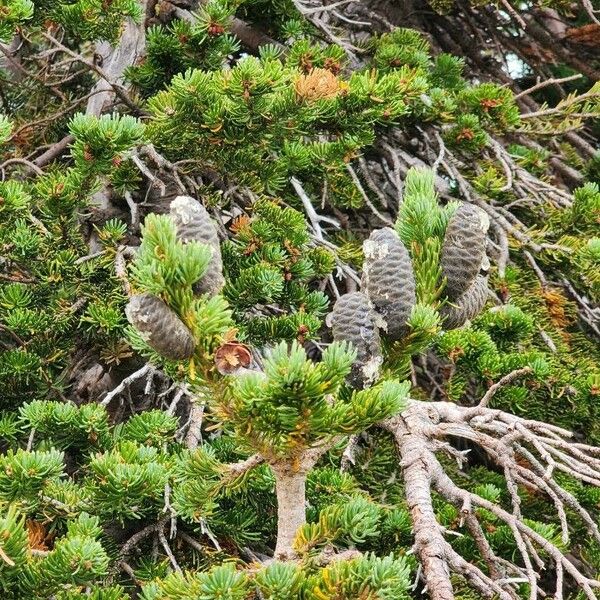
x: 232, y: 356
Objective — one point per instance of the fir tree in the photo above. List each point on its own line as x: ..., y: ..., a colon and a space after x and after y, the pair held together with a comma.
x: 299, y: 300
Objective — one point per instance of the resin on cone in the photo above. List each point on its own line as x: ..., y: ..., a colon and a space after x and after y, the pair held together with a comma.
x: 354, y: 320
x: 388, y: 280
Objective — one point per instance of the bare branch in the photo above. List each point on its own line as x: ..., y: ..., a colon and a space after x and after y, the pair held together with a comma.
x: 544, y: 448
x: 146, y: 371
x: 552, y: 81
x: 504, y: 381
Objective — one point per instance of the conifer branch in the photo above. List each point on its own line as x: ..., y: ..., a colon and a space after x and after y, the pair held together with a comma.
x: 287, y: 152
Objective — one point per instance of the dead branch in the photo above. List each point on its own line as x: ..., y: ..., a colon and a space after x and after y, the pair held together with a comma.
x: 529, y: 453
x: 504, y: 381
x: 146, y: 371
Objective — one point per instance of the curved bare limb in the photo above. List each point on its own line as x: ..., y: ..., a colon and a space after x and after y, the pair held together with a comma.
x: 529, y: 453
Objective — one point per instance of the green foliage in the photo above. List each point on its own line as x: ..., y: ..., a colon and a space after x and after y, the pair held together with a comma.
x: 24, y: 474
x: 447, y: 72
x: 15, y: 198
x: 467, y: 134
x: 97, y: 20
x: 12, y: 14
x: 79, y: 480
x: 270, y: 261
x: 87, y: 20
x: 290, y: 407
x: 66, y: 425
x: 402, y: 47
x: 477, y: 349
x: 306, y: 56
x: 380, y: 578
x: 279, y: 580
x: 50, y: 301
x: 13, y: 548
x: 5, y: 128
x: 100, y: 141
x: 105, y: 593
x: 165, y: 266
x: 352, y: 521
x: 575, y: 230
x: 493, y: 104
x: 424, y: 326
x: 371, y: 576
x: 532, y: 159
x: 152, y: 428
x: 586, y: 205
x: 421, y: 225
x: 263, y: 120
x: 491, y: 182
x: 507, y: 325
x: 180, y: 46
x: 327, y: 485
x: 128, y: 481
x: 77, y: 559
x: 508, y: 337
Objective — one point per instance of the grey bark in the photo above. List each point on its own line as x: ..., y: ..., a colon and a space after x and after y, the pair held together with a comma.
x: 290, y: 487
x: 115, y: 59
x: 420, y: 432
x: 430, y: 544
x: 11, y: 65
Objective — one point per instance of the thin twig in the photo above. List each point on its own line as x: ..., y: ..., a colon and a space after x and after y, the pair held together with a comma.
x: 366, y: 198
x: 513, y: 13
x: 167, y: 548
x: 504, y: 381
x: 546, y: 82
x: 146, y: 370
x: 311, y: 213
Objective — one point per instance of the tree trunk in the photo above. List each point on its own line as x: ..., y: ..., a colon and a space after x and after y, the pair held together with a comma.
x: 115, y: 59
x: 290, y: 486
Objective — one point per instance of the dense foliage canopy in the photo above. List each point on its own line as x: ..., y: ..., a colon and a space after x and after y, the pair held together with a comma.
x: 299, y: 299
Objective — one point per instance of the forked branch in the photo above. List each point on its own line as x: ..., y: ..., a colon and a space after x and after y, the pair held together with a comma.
x: 529, y: 453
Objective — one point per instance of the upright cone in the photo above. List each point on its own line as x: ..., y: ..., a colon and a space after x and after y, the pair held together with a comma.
x: 388, y: 280
x: 195, y: 225
x: 463, y: 249
x: 160, y: 327
x: 353, y: 320
x: 467, y: 306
